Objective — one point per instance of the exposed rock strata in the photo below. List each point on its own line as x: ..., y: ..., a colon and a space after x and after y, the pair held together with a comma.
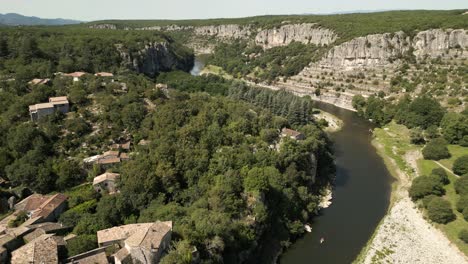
x: 224, y: 31
x: 383, y: 49
x: 305, y: 33
x: 154, y: 58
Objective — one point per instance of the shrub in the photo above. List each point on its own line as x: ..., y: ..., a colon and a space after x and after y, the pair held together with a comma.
x: 436, y: 149
x: 461, y: 185
x: 442, y: 174
x: 462, y: 203
x: 440, y: 211
x: 417, y: 137
x: 460, y: 166
x: 426, y: 200
x: 81, y: 244
x: 425, y: 185
x: 463, y: 235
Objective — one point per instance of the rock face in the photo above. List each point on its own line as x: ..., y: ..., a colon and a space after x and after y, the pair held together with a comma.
x: 383, y: 49
x: 305, y: 33
x: 224, y: 31
x: 103, y: 26
x: 371, y: 50
x: 436, y: 42
x: 154, y: 58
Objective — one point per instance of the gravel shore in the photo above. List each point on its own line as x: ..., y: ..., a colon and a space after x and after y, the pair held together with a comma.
x: 404, y: 236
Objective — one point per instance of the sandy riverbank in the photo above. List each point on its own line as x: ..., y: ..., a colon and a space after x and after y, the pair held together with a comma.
x: 404, y: 236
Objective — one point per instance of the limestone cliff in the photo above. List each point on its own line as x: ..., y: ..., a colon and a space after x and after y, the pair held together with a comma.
x: 103, y: 26
x: 224, y: 31
x: 154, y: 58
x: 307, y: 33
x: 370, y: 50
x: 383, y: 49
x: 438, y: 42
x: 366, y: 65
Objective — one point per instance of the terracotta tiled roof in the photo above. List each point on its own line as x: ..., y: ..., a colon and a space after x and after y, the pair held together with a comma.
x: 95, y: 256
x: 58, y: 99
x: 290, y: 132
x: 50, y: 205
x: 104, y: 74
x: 43, y: 249
x: 40, y: 106
x: 126, y: 145
x: 110, y: 154
x: 75, y: 74
x: 151, y: 237
x: 109, y: 161
x: 104, y: 177
x: 38, y: 81
x: 119, y: 233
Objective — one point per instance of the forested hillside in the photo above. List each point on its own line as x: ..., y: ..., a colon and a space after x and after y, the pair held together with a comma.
x: 213, y: 162
x: 28, y: 53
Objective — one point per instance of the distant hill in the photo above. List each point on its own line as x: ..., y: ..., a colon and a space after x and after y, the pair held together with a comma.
x: 13, y: 19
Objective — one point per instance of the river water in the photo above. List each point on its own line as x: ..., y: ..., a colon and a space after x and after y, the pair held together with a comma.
x: 360, y: 198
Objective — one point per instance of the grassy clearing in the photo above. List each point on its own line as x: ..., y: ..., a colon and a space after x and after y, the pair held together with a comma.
x: 395, y: 141
x: 456, y: 151
x: 212, y: 69
x: 451, y: 229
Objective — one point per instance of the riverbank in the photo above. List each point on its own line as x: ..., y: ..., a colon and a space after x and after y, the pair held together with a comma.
x: 333, y: 123
x: 404, y: 236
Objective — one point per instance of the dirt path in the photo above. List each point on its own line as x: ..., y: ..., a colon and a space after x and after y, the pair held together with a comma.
x: 445, y: 168
x: 404, y: 236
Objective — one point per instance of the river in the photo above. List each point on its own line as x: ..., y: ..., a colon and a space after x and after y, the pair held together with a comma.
x: 360, y: 198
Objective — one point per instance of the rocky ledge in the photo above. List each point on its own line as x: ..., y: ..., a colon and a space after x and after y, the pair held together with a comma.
x: 307, y: 33
x: 155, y: 57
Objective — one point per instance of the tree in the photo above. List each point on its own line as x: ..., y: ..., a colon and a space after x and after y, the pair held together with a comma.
x: 29, y: 49
x: 180, y: 254
x: 440, y: 211
x: 436, y: 149
x: 359, y: 102
x: 454, y: 127
x: 132, y: 115
x: 442, y: 174
x: 69, y: 173
x: 460, y: 166
x: 4, y: 51
x: 425, y: 185
x: 416, y: 136
x: 78, y: 94
x: 81, y: 244
x: 463, y: 235
x: 461, y: 185
x: 462, y: 203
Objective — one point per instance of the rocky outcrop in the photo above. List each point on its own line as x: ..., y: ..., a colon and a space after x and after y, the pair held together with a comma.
x: 305, y: 33
x: 166, y: 28
x: 439, y: 42
x: 383, y: 49
x: 224, y: 31
x: 154, y: 58
x: 371, y: 50
x: 103, y: 26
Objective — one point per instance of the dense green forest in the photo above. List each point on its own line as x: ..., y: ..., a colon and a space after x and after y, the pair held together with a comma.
x: 215, y: 165
x: 31, y: 52
x: 424, y: 115
x: 253, y: 63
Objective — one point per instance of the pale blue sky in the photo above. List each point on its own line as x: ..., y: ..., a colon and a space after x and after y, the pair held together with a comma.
x: 188, y: 9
